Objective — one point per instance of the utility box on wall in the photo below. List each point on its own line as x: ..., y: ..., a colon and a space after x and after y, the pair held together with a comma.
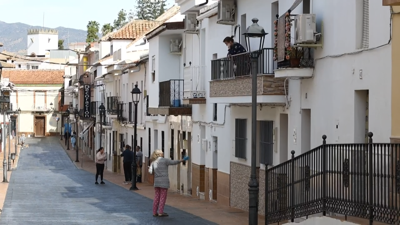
x: 305, y: 29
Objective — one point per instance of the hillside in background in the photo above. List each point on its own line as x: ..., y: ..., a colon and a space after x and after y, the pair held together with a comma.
x: 14, y: 36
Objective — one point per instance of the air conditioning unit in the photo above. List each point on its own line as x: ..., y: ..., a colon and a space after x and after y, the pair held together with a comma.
x: 175, y: 46
x: 305, y: 29
x: 226, y: 12
x: 191, y: 22
x: 204, y: 144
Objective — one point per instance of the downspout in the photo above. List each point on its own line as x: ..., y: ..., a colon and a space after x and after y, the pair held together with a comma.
x: 234, y: 32
x: 205, y: 3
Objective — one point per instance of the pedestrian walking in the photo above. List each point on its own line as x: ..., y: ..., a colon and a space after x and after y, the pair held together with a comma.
x: 139, y: 161
x: 101, y: 157
x: 159, y: 167
x: 128, y: 159
x: 73, y: 139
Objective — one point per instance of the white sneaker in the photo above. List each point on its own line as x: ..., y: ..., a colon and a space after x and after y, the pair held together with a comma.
x: 125, y: 182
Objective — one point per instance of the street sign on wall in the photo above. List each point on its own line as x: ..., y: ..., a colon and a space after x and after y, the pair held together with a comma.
x: 86, y: 101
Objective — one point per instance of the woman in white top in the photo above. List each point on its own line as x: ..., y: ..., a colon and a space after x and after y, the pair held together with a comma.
x: 159, y: 167
x: 101, y: 157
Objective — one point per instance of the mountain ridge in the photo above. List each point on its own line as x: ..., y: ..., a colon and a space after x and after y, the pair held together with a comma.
x: 14, y: 36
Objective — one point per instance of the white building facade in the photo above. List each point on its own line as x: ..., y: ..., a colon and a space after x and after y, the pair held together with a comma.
x: 343, y: 93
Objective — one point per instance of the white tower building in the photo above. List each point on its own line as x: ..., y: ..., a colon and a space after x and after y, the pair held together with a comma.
x: 41, y: 40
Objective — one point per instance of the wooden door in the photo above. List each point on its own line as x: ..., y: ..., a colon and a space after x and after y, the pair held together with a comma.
x: 39, y: 126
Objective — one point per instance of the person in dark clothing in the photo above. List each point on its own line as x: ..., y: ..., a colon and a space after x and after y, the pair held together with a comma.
x: 240, y: 62
x: 234, y: 48
x: 128, y: 159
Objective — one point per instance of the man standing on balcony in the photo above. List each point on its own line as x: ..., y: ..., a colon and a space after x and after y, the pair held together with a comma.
x: 235, y: 48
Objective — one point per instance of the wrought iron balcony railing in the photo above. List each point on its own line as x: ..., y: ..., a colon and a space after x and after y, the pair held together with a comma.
x: 171, y: 93
x: 112, y: 105
x: 120, y: 112
x: 240, y: 65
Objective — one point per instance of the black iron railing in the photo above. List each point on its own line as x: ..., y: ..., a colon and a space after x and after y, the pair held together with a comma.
x: 120, y: 112
x: 93, y: 109
x: 240, y: 65
x: 300, y: 58
x: 112, y: 105
x: 171, y: 93
x: 359, y: 180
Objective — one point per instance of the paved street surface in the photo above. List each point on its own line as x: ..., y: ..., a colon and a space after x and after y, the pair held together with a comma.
x: 47, y: 188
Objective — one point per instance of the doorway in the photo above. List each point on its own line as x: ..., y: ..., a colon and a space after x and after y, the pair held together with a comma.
x: 283, y: 137
x: 305, y: 130
x: 40, y: 126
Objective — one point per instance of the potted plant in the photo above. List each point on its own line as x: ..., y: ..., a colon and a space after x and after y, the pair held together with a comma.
x: 296, y: 53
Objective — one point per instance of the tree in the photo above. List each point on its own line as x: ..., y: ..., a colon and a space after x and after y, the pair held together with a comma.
x: 92, y: 32
x: 149, y: 10
x: 60, y: 44
x: 107, y: 28
x: 121, y: 20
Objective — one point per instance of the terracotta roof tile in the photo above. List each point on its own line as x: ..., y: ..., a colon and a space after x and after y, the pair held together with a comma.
x: 7, y: 65
x: 34, y: 76
x: 132, y: 30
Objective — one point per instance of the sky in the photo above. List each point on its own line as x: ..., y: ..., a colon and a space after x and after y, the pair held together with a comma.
x: 70, y: 13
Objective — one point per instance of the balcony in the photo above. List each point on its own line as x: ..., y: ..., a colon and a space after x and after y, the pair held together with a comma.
x: 391, y: 2
x: 93, y: 109
x: 194, y: 91
x: 120, y: 112
x: 112, y: 106
x: 171, y: 99
x: 301, y: 64
x: 231, y: 77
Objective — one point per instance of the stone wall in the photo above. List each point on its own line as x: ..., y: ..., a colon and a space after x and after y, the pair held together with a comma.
x: 240, y: 176
x: 241, y: 86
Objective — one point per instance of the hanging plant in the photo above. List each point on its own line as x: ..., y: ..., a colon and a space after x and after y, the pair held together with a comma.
x: 288, y: 25
x: 276, y: 40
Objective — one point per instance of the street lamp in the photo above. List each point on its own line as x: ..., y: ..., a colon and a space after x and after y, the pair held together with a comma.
x: 135, y: 98
x: 102, y: 111
x: 254, y: 31
x: 67, y: 129
x: 76, y: 124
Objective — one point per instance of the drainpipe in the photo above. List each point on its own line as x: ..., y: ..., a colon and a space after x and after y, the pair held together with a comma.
x: 205, y: 3
x: 234, y: 32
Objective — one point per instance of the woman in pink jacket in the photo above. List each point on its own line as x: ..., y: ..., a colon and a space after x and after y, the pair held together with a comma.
x: 101, y: 157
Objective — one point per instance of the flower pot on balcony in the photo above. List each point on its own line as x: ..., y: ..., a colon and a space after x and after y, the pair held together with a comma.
x: 294, y: 62
x: 176, y: 103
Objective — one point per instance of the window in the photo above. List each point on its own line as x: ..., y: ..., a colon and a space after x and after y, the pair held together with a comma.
x: 215, y: 112
x: 149, y: 142
x: 171, y: 150
x: 266, y: 142
x: 95, y: 73
x: 19, y: 66
x: 162, y: 141
x: 153, y: 68
x: 111, y: 49
x: 240, y: 138
x: 130, y: 112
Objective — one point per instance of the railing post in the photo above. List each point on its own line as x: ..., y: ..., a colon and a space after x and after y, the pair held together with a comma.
x: 371, y: 177
x: 266, y: 195
x: 324, y: 159
x: 292, y: 187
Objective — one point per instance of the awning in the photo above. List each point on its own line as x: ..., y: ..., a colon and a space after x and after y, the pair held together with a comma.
x: 101, y: 77
x: 85, y: 130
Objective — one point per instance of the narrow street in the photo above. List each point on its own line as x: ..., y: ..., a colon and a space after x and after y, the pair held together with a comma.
x: 47, y: 188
